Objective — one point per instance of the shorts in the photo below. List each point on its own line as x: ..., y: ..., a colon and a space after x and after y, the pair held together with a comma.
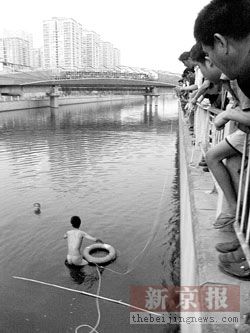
x: 236, y: 141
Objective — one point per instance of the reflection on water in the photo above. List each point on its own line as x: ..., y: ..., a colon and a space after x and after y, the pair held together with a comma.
x: 107, y: 163
x: 87, y: 275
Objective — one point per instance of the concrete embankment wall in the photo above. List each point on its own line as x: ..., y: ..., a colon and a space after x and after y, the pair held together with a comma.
x: 188, y: 266
x: 70, y: 100
x: 189, y: 274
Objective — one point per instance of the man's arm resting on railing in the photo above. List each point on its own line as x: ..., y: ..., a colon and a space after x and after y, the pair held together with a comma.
x: 188, y: 88
x: 205, y: 85
x: 211, y: 109
x: 236, y: 114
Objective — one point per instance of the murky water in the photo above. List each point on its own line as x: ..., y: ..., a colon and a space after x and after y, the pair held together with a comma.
x: 106, y: 162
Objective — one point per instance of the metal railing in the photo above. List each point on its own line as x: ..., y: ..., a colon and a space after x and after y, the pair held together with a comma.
x: 80, y: 74
x: 242, y: 223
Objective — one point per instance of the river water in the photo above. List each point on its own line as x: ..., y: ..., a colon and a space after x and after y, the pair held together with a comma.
x: 107, y: 163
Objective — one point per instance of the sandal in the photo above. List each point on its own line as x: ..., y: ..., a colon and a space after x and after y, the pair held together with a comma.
x: 240, y: 270
x: 228, y: 246
x: 223, y: 221
x: 233, y: 257
x: 203, y: 163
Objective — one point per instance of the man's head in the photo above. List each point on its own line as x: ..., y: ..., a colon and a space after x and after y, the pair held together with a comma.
x: 75, y: 221
x: 223, y: 29
x: 188, y: 75
x: 208, y: 69
x: 186, y: 60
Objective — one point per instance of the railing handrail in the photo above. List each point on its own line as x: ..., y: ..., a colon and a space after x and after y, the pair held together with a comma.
x: 242, y: 224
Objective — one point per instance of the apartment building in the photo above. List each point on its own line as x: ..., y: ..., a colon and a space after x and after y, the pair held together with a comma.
x: 15, y: 50
x: 62, y: 43
x: 91, y: 51
x: 116, y: 57
x: 68, y: 46
x: 1, y: 50
x: 37, y: 58
x: 107, y: 55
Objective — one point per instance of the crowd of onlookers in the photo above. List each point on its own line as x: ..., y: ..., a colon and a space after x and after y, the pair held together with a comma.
x: 217, y: 74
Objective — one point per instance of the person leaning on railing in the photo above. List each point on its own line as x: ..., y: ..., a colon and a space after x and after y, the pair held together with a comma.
x: 209, y: 93
x: 224, y: 50
x: 231, y: 146
x: 211, y: 85
x: 183, y: 96
x: 227, y: 41
x: 192, y: 80
x: 223, y: 29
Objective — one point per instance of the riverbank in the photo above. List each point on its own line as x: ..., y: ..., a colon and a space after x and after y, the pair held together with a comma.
x: 69, y: 100
x: 199, y: 259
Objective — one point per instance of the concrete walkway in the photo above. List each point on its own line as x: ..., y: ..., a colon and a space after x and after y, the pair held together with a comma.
x: 203, y: 209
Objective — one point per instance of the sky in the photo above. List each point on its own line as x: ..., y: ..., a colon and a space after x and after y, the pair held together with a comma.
x: 150, y: 34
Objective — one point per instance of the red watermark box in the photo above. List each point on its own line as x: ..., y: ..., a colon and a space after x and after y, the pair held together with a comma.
x: 207, y: 298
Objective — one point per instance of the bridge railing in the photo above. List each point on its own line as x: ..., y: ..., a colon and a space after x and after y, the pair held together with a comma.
x: 242, y: 224
x: 213, y: 137
x: 69, y: 75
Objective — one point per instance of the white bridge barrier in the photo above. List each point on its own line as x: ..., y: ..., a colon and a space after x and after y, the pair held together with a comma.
x: 206, y: 137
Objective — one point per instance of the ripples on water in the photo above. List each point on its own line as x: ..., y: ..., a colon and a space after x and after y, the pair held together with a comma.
x: 107, y: 163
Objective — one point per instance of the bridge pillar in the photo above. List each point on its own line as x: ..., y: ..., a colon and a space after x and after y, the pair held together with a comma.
x: 54, y: 94
x: 54, y: 101
x: 151, y: 97
x: 150, y: 100
x: 156, y: 100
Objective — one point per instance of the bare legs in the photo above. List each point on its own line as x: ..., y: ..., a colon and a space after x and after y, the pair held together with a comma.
x: 214, y: 158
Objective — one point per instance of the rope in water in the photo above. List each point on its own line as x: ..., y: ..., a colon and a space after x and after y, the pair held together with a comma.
x: 153, y: 233
x: 130, y: 268
x: 93, y: 329
x: 89, y: 294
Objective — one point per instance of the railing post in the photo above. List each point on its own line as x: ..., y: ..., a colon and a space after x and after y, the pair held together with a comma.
x: 241, y: 179
x: 245, y: 199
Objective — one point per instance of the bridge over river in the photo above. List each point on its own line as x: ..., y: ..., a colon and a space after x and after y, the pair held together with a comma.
x: 55, y: 84
x: 43, y: 81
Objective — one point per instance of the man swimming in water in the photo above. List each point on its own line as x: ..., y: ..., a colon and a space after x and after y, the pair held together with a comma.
x: 75, y: 238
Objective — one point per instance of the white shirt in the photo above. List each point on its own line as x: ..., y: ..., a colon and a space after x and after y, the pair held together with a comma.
x: 198, y: 77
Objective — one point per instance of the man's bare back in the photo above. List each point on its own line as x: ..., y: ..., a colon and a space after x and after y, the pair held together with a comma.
x: 75, y: 238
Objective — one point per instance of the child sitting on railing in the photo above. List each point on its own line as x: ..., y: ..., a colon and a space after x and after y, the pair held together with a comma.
x: 232, y: 145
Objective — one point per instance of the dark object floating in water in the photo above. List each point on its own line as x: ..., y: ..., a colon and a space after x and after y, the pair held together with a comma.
x: 37, y: 208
